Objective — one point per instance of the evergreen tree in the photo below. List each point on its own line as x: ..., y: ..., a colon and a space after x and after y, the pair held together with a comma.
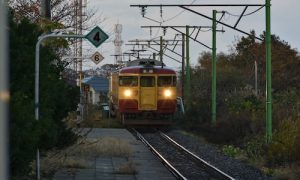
x: 56, y: 98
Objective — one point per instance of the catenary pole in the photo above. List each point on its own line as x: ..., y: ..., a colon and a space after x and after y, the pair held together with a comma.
x: 214, y: 74
x: 255, y: 71
x: 187, y: 75
x: 182, y: 67
x: 161, y: 49
x: 4, y: 92
x: 268, y: 74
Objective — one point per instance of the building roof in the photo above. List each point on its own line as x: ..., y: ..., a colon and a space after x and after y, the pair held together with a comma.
x: 98, y: 83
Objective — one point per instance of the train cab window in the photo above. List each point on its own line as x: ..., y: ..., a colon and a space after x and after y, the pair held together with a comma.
x: 147, y: 81
x: 128, y: 81
x: 166, y: 81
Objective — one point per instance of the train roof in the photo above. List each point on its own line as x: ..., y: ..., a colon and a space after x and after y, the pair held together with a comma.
x: 144, y: 61
x: 140, y: 69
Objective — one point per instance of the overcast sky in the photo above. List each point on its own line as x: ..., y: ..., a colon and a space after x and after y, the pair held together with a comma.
x: 284, y: 23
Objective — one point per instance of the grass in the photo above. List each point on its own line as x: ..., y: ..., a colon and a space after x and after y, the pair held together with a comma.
x: 77, y: 155
x: 291, y: 172
x: 94, y: 119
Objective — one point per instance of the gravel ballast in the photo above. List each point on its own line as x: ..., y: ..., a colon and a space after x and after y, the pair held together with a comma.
x: 211, y: 154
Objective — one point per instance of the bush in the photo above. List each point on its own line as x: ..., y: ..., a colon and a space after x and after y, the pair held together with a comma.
x: 285, y: 146
x: 231, y: 151
x: 255, y: 147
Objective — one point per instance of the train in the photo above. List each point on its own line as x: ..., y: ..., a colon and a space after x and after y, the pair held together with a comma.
x: 143, y: 93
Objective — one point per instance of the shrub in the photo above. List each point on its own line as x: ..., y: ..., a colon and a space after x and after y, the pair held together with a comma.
x: 285, y: 146
x: 231, y: 151
x: 255, y: 147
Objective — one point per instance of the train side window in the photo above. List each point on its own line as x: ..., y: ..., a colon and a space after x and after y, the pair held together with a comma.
x: 166, y: 81
x: 147, y: 81
x: 128, y: 81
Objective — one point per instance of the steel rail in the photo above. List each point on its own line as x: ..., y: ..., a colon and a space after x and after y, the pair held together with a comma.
x: 208, y: 166
x: 172, y: 169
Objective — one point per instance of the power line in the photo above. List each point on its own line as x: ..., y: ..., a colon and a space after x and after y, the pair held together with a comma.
x: 245, y: 14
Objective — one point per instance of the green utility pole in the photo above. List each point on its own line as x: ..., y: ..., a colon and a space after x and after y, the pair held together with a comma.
x: 187, y: 75
x: 161, y: 49
x: 268, y: 74
x: 4, y: 92
x: 182, y: 67
x: 214, y: 74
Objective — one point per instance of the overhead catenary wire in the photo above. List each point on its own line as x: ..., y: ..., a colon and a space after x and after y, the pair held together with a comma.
x: 177, y: 14
x: 245, y: 14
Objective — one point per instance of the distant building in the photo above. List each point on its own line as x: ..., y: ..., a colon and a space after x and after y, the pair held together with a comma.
x: 98, y: 89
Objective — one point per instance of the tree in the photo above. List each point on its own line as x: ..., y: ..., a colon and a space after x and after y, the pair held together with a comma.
x: 57, y: 98
x: 63, y: 14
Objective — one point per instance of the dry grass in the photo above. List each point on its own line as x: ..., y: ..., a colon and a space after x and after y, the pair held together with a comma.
x: 106, y: 146
x: 77, y: 155
x: 291, y: 172
x: 93, y: 120
x: 127, y: 168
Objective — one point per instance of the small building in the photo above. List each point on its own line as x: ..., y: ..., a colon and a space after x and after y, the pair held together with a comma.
x: 97, y: 89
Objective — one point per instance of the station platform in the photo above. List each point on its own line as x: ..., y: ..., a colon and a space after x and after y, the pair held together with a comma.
x: 147, y: 166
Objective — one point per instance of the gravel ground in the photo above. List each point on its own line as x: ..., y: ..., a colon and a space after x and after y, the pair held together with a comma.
x: 211, y: 154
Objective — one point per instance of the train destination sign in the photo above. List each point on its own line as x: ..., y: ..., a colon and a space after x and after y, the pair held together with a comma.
x: 97, y: 57
x: 96, y: 36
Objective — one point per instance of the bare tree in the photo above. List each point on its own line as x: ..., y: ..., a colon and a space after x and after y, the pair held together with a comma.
x: 62, y: 12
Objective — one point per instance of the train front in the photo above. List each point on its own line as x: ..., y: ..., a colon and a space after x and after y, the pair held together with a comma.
x: 147, y: 95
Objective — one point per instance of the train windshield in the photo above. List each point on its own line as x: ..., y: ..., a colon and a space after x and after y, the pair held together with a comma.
x: 147, y: 81
x: 128, y: 81
x: 166, y: 81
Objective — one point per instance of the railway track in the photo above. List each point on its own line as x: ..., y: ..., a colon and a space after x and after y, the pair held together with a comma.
x: 180, y: 161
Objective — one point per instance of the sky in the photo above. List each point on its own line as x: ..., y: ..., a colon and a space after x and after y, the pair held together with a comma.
x: 284, y: 23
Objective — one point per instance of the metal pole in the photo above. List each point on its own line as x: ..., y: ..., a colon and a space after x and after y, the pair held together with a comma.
x: 161, y: 49
x: 255, y: 69
x: 46, y: 9
x: 182, y: 67
x: 4, y: 92
x: 187, y: 75
x: 214, y: 74
x: 269, y: 74
x: 37, y: 76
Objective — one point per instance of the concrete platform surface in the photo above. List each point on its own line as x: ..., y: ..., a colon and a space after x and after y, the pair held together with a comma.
x: 148, y: 166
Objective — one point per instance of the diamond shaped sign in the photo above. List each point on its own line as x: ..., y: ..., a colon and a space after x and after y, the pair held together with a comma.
x: 97, y: 57
x: 96, y: 36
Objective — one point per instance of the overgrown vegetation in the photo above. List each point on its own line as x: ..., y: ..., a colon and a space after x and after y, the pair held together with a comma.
x: 82, y: 153
x: 94, y: 117
x: 241, y: 110
x: 56, y: 97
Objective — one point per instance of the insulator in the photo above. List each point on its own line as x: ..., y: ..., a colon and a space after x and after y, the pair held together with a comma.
x: 143, y: 11
x: 164, y: 30
x: 161, y: 11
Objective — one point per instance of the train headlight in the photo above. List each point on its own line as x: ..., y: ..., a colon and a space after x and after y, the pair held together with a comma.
x: 167, y: 93
x: 127, y: 93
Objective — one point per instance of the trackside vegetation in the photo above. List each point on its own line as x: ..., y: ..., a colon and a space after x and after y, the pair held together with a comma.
x: 240, y: 123
x: 57, y: 98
